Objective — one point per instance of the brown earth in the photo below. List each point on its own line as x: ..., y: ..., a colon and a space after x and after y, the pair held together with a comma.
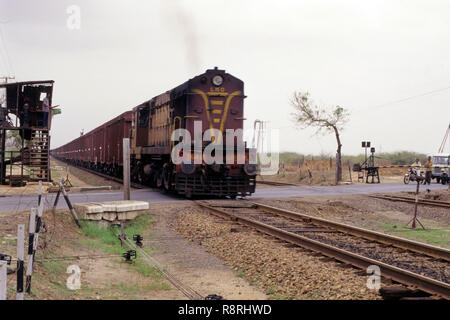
x: 77, y: 177
x: 327, y: 177
x: 107, y: 276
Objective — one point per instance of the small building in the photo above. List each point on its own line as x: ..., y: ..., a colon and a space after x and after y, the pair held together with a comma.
x: 23, y: 110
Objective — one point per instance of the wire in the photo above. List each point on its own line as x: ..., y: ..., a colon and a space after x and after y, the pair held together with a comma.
x: 76, y: 257
x: 406, y: 99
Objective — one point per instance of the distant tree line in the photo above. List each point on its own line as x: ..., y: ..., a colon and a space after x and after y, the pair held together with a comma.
x: 385, y: 158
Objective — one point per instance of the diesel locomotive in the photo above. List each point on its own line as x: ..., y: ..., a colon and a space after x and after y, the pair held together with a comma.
x: 187, y: 140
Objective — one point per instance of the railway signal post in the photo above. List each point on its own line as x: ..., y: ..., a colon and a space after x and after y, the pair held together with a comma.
x: 20, y: 259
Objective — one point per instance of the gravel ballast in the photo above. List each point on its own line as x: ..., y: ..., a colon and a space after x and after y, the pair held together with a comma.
x: 283, y: 271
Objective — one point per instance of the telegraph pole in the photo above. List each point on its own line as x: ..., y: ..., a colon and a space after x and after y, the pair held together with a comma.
x: 126, y: 169
x: 126, y: 182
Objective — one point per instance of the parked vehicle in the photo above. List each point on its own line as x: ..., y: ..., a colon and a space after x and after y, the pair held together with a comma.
x: 441, y: 174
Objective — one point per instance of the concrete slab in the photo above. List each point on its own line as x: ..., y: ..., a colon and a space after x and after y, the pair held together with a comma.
x: 93, y: 216
x: 129, y: 215
x: 124, y: 206
x: 84, y: 209
x: 109, y: 216
x: 111, y: 210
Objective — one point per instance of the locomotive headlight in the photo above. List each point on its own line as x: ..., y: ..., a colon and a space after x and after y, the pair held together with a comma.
x: 251, y: 169
x: 217, y: 80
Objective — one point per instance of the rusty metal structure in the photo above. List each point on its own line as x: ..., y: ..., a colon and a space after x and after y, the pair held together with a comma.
x: 21, y: 111
x: 214, y: 101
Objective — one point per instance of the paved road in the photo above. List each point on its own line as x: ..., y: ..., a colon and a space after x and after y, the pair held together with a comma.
x: 9, y: 203
x: 303, y: 191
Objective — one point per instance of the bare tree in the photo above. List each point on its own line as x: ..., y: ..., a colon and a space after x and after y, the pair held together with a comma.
x: 307, y: 114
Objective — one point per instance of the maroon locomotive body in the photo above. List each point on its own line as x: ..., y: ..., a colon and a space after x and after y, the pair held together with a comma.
x: 208, y: 111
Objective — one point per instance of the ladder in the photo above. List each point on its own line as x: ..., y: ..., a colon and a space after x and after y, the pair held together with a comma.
x: 38, y: 161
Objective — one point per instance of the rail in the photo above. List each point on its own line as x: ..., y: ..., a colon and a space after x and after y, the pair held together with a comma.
x: 428, y: 202
x: 424, y: 283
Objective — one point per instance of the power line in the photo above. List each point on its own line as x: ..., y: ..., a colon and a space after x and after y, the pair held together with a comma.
x: 408, y: 98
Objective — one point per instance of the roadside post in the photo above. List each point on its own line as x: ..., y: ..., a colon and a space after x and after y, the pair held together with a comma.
x: 3, y: 267
x: 414, y: 219
x: 20, y: 257
x: 72, y: 210
x: 31, y: 230
x: 40, y: 192
x: 57, y: 198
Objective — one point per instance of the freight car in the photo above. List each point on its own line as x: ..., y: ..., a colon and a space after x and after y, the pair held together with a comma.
x: 101, y: 149
x: 187, y: 140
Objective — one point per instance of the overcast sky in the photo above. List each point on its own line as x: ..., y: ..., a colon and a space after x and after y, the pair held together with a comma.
x: 362, y: 55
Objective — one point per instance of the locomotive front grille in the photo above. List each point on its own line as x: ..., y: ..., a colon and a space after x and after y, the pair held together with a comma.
x: 215, y: 185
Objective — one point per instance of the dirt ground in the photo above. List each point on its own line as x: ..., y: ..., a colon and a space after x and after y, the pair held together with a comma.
x: 106, y: 276
x: 201, y: 270
x: 327, y: 177
x: 77, y: 177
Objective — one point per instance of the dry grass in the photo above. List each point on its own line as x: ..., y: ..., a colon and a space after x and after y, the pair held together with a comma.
x: 322, y: 173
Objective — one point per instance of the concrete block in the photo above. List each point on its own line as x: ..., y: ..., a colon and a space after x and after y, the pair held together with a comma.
x: 109, y: 216
x: 94, y: 216
x: 111, y: 210
x: 124, y: 206
x: 131, y: 205
x: 129, y: 215
x: 85, y: 209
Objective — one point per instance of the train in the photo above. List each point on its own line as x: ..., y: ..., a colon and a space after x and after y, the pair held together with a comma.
x: 187, y: 140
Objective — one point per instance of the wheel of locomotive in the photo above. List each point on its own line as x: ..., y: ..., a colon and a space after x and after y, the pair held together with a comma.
x: 444, y: 179
x: 134, y: 173
x: 438, y: 179
x: 167, y: 180
x: 140, y: 174
x: 159, y: 179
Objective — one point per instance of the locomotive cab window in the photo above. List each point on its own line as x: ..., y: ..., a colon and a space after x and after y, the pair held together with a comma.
x: 143, y: 117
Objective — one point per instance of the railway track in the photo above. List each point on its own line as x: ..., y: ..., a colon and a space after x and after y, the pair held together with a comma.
x: 278, y: 184
x: 417, y: 265
x: 108, y: 177
x: 428, y: 202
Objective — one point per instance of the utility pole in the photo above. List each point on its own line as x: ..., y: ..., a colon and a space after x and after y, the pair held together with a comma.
x: 126, y: 169
x: 126, y: 182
